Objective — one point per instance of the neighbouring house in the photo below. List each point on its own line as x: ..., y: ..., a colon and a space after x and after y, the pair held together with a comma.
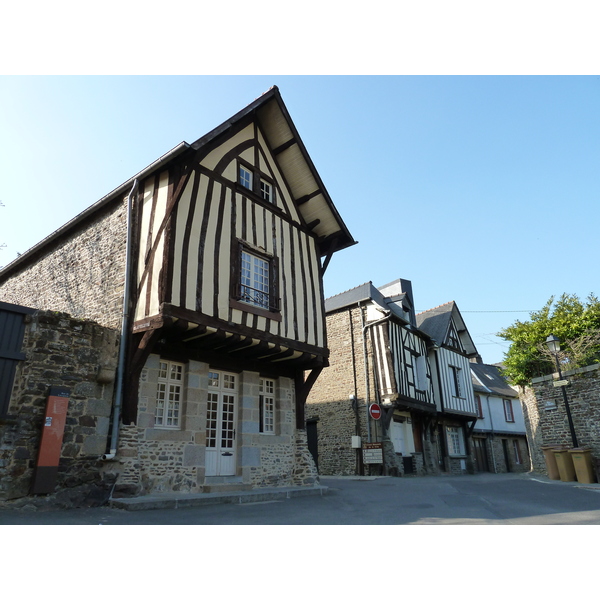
x: 499, y: 439
x: 378, y: 356
x: 210, y: 262
x: 449, y: 358
x: 421, y: 384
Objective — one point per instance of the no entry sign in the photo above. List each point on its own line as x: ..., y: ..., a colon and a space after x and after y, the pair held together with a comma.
x: 375, y: 411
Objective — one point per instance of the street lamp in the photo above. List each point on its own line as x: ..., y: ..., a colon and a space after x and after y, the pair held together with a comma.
x: 554, y: 346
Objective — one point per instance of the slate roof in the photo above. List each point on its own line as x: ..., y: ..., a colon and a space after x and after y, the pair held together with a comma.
x: 488, y: 378
x: 363, y: 293
x: 436, y: 321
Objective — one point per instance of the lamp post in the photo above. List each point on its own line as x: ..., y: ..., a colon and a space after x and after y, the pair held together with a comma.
x: 554, y: 347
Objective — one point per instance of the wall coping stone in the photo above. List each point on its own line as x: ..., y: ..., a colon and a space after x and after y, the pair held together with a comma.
x: 565, y: 373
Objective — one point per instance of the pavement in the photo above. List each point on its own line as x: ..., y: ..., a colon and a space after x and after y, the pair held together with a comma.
x: 182, y: 500
x: 185, y: 500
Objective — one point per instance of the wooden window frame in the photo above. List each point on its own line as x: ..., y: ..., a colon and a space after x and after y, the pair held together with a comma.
x: 169, y: 385
x: 267, y: 414
x: 241, y: 180
x: 460, y: 438
x: 478, y: 406
x: 257, y: 177
x: 457, y: 389
x: 274, y: 310
x: 509, y: 414
x: 421, y: 379
x: 517, y: 452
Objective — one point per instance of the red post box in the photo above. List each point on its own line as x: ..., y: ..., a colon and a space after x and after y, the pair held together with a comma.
x: 53, y: 427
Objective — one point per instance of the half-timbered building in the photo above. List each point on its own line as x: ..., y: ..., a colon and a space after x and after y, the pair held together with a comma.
x: 211, y: 260
x: 449, y: 358
x: 378, y: 356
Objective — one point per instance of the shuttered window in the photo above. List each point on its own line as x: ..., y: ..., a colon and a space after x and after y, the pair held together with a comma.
x: 12, y: 330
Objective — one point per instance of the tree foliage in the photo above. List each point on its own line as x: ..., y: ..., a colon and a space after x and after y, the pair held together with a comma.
x: 575, y: 323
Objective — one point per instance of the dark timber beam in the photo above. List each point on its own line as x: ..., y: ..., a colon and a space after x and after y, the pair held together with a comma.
x: 140, y: 348
x: 284, y: 146
x: 308, y: 197
x: 303, y: 387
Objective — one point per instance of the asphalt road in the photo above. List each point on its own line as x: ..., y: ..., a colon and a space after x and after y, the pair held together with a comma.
x: 483, y: 499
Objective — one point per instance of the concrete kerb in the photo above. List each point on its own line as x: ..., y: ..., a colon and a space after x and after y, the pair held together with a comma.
x: 175, y: 500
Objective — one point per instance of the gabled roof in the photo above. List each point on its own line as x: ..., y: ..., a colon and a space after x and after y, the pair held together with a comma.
x: 305, y: 184
x: 436, y: 323
x: 489, y: 379
x: 315, y: 204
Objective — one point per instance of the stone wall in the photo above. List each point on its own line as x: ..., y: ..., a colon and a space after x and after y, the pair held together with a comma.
x: 81, y: 274
x: 546, y: 418
x: 60, y: 351
x: 329, y: 400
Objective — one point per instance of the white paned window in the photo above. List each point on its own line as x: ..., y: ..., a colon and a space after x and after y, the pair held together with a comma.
x: 266, y: 191
x: 254, y: 280
x: 245, y: 177
x: 169, y: 395
x: 456, y: 441
x: 267, y: 406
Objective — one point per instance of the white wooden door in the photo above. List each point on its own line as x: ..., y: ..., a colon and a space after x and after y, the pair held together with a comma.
x: 221, y: 423
x: 397, y: 436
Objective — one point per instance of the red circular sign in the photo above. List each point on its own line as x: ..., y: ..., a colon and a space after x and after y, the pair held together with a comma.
x: 375, y: 411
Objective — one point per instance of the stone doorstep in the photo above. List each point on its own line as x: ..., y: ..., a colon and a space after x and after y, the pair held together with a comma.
x: 182, y: 500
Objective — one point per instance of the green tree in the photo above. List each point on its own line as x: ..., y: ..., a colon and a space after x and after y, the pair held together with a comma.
x: 575, y: 323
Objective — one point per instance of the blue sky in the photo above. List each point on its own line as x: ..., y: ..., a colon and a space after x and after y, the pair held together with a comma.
x: 478, y: 189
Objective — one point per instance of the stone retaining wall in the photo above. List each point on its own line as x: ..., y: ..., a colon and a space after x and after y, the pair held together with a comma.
x: 546, y: 417
x: 60, y: 351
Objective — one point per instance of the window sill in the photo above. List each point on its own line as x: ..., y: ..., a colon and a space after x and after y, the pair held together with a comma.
x: 255, y: 310
x: 240, y: 189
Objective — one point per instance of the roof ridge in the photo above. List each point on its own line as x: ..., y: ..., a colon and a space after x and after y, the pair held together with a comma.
x: 349, y: 290
x: 436, y: 307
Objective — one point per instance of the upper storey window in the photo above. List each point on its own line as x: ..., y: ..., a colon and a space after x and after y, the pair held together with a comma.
x: 255, y: 281
x: 259, y: 184
x: 254, y: 284
x: 245, y: 177
x: 266, y: 191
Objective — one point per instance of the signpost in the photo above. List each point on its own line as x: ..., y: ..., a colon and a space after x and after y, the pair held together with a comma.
x: 372, y: 453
